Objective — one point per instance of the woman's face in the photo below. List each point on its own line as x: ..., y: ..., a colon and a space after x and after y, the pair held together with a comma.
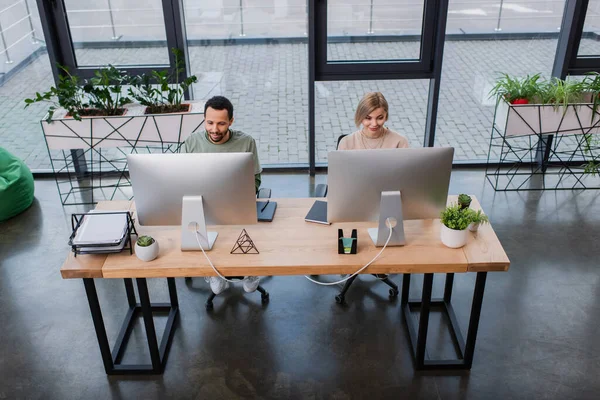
x: 375, y: 120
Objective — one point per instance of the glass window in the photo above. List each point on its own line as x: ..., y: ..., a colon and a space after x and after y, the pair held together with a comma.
x: 336, y: 104
x: 266, y: 82
x: 488, y: 16
x: 118, y: 32
x: 589, y: 45
x: 19, y: 33
x: 384, y: 30
x: 470, y: 69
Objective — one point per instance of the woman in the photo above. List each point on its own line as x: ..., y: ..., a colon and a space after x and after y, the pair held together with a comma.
x: 372, y: 113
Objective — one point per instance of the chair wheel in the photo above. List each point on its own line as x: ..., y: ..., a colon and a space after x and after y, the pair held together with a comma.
x: 394, y: 293
x: 209, y: 306
x: 264, y: 298
x: 339, y: 299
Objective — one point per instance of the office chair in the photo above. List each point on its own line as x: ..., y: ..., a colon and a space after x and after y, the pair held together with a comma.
x: 321, y: 191
x: 263, y: 193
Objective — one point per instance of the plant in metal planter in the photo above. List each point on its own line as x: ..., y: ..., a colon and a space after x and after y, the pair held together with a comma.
x: 561, y: 93
x: 515, y: 90
x: 455, y: 221
x: 105, y: 92
x: 533, y: 106
x: 162, y: 92
x: 68, y: 94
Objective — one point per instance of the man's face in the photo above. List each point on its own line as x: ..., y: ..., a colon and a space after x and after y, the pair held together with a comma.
x: 217, y: 124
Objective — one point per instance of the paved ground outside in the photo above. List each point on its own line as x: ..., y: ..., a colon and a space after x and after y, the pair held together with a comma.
x: 268, y: 86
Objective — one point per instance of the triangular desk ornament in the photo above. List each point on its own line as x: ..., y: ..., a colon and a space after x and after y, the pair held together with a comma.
x: 244, y: 245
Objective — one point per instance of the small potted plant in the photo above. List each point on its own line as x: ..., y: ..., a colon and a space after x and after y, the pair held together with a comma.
x: 455, y: 221
x: 477, y: 218
x: 464, y: 201
x: 146, y: 248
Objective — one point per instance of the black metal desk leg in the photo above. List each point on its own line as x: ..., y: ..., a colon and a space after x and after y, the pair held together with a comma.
x: 149, y: 323
x: 130, y: 292
x: 424, y: 320
x: 92, y: 295
x: 405, y: 288
x: 448, y: 287
x: 474, y: 319
x: 173, y: 292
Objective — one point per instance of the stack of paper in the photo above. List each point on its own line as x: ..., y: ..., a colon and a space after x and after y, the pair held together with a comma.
x: 101, y: 232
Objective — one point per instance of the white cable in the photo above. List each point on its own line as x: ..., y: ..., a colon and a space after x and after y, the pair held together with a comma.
x: 210, y: 262
x: 388, y: 223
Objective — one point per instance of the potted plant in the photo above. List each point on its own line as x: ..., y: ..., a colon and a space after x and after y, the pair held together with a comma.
x: 531, y: 105
x: 464, y: 201
x: 158, y: 94
x: 146, y: 248
x: 477, y: 218
x: 105, y: 92
x: 455, y: 221
x: 68, y: 95
x: 516, y: 91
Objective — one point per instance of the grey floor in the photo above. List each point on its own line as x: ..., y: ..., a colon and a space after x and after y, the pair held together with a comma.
x: 538, y: 337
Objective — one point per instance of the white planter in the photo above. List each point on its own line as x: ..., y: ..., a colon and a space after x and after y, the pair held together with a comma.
x: 147, y: 253
x: 134, y: 128
x: 474, y: 226
x: 453, y: 238
x: 538, y: 119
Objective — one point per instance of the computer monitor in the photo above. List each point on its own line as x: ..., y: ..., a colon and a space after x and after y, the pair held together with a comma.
x: 366, y: 185
x: 194, y: 190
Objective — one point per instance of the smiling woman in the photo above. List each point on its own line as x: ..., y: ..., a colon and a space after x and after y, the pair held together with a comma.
x: 372, y: 113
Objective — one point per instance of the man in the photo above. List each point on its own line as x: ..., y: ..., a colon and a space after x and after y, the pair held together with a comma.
x: 219, y: 138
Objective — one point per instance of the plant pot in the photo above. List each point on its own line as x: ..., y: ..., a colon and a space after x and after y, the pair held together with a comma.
x: 474, y: 226
x: 453, y: 238
x: 147, y: 253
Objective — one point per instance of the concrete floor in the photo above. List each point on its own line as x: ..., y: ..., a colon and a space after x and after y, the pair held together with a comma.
x: 538, y: 336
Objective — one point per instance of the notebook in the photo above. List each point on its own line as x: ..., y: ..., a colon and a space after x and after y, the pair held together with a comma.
x: 318, y: 213
x: 100, y: 228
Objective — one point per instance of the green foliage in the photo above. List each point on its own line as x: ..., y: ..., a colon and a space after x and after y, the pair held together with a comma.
x: 162, y: 91
x: 145, y: 241
x: 512, y: 89
x: 68, y: 94
x: 478, y: 217
x: 560, y: 92
x: 456, y: 218
x: 105, y: 91
x: 464, y: 200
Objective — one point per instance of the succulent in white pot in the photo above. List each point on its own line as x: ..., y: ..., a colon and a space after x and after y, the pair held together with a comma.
x: 455, y: 221
x: 146, y: 248
x: 477, y: 218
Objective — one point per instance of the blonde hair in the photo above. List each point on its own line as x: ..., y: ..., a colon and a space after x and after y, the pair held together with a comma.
x: 369, y: 102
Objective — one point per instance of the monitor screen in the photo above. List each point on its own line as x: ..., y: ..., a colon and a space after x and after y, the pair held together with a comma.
x: 224, y: 180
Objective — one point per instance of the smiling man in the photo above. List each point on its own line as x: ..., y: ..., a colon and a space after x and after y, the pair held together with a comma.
x: 219, y: 138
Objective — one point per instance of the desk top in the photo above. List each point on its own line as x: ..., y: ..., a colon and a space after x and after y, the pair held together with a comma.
x: 291, y: 246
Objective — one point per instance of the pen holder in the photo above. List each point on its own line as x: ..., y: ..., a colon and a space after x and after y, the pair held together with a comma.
x: 347, y: 245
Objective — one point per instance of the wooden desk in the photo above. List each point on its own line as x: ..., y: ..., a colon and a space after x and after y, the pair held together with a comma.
x: 291, y: 246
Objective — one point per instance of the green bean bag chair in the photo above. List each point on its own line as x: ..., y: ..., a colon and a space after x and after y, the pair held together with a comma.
x: 16, y: 186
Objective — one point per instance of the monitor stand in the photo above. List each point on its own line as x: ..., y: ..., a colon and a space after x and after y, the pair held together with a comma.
x: 192, y: 221
x: 390, y: 207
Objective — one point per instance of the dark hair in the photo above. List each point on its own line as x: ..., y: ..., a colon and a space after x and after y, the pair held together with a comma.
x: 219, y: 103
